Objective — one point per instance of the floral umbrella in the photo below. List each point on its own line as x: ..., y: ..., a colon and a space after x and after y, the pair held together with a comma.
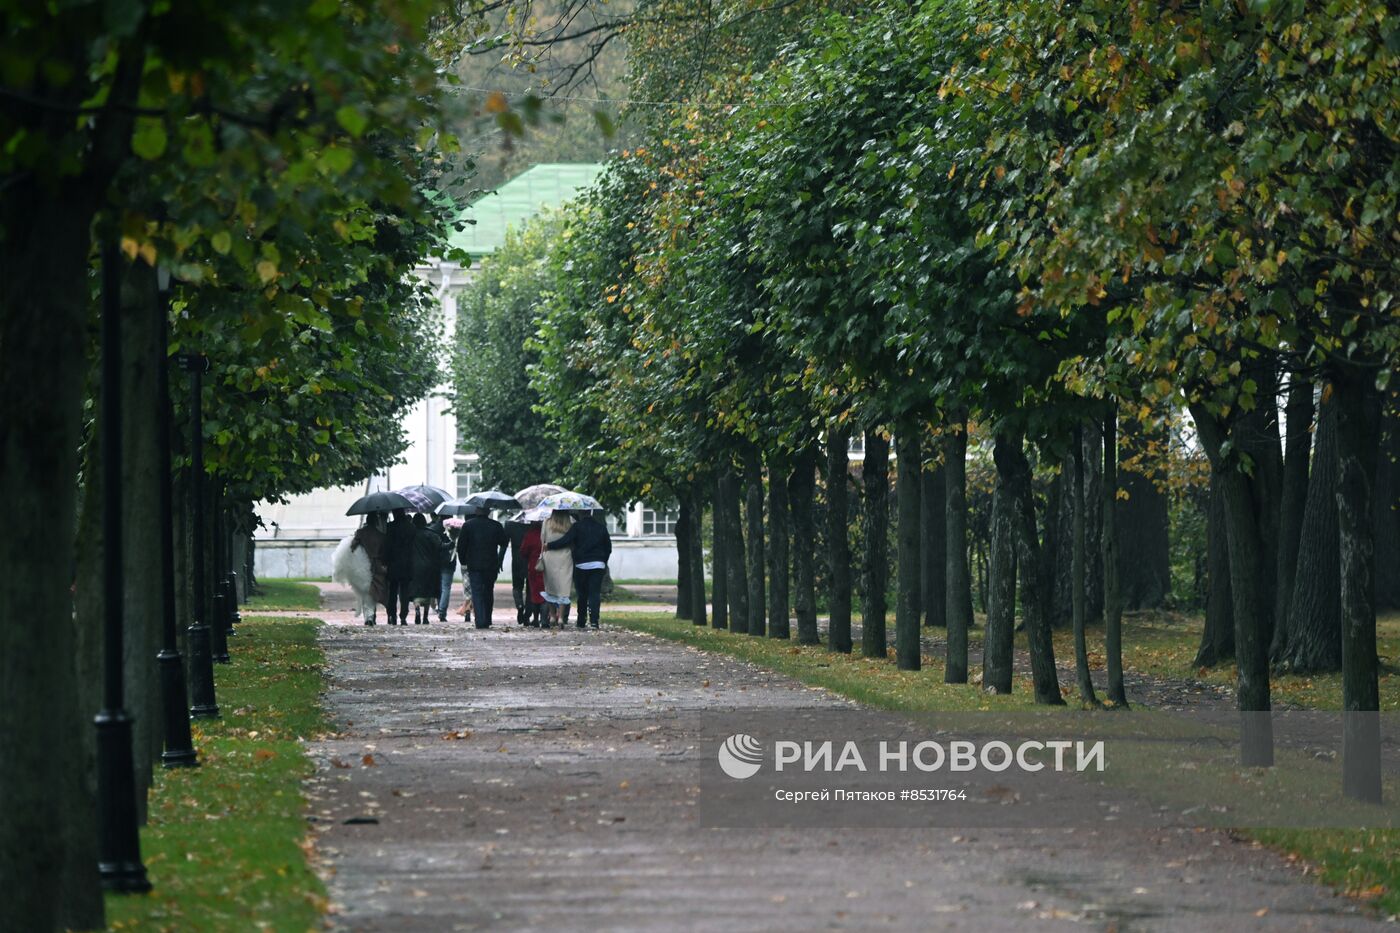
x: 569, y: 502
x: 530, y: 496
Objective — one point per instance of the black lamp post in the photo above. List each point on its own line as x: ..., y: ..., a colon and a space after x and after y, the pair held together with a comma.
x: 119, y: 841
x: 225, y: 562
x: 202, y: 702
x: 218, y: 621
x: 179, y: 749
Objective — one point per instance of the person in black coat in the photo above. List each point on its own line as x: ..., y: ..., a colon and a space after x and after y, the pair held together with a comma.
x: 398, y: 558
x: 430, y: 549
x: 592, y: 547
x: 481, y: 547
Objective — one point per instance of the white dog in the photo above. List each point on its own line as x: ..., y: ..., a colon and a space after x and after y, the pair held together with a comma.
x: 352, y: 567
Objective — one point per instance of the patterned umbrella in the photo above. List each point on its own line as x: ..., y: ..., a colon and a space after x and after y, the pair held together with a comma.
x: 432, y: 493
x: 417, y: 501
x: 530, y: 496
x: 492, y: 499
x: 569, y: 502
x: 380, y: 501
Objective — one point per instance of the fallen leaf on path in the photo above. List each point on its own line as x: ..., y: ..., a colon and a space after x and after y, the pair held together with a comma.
x: 264, y: 754
x: 336, y: 762
x: 367, y: 761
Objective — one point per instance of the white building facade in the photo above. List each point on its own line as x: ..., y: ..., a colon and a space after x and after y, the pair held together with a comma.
x: 298, y: 537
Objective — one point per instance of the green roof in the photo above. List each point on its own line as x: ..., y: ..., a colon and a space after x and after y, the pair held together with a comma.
x: 512, y: 205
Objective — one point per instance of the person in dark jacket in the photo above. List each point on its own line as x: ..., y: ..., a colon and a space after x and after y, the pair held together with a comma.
x: 398, y: 558
x: 449, y: 568
x: 481, y: 547
x: 592, y: 546
x: 430, y: 549
x: 516, y: 530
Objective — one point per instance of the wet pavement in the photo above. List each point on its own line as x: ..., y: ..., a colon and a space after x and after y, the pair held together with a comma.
x: 518, y: 779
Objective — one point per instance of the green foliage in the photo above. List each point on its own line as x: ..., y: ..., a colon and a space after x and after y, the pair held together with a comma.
x: 495, y: 400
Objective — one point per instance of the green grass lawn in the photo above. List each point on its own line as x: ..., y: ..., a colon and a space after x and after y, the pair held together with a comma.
x: 226, y: 844
x: 1163, y: 644
x: 1363, y: 863
x: 276, y: 595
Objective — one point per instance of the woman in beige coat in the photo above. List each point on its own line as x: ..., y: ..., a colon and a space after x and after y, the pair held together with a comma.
x: 558, y: 569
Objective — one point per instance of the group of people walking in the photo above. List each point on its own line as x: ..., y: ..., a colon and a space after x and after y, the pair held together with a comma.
x: 552, y: 556
x: 414, y: 561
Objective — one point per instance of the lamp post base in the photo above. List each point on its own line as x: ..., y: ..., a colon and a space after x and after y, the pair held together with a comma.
x: 179, y: 748
x: 218, y: 628
x: 202, y: 702
x: 119, y: 840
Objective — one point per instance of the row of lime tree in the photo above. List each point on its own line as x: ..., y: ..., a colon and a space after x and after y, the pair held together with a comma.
x: 243, y: 181
x: 1040, y: 219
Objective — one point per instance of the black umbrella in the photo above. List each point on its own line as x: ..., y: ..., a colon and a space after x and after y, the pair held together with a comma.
x: 380, y: 501
x: 457, y: 507
x: 492, y: 499
x: 433, y: 494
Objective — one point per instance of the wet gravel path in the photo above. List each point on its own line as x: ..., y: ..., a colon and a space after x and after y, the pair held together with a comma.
x: 523, y: 780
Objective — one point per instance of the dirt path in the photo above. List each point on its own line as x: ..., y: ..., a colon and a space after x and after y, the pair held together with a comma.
x: 522, y: 780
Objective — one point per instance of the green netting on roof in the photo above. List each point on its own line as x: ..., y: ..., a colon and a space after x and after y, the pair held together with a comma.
x: 511, y: 205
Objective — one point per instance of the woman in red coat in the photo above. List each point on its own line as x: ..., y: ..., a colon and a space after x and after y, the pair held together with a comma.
x: 531, y: 549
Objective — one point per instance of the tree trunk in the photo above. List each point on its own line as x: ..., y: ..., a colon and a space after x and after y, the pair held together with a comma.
x: 753, y: 514
x: 1093, y: 526
x: 1112, y: 594
x: 801, y: 491
x: 1077, y: 571
x: 838, y: 475
x: 1257, y: 433
x: 1313, y: 642
x: 999, y: 639
x: 1011, y: 462
x: 1059, y: 538
x: 684, y: 603
x: 697, y: 555
x: 958, y: 609
x: 1357, y: 445
x: 1247, y: 586
x: 142, y: 470
x: 1387, y: 508
x: 1218, y: 636
x: 779, y: 475
x: 736, y: 565
x: 875, y: 479
x: 719, y: 554
x: 1291, y: 508
x: 48, y: 851
x: 934, y: 546
x: 909, y: 470
x: 1142, y: 523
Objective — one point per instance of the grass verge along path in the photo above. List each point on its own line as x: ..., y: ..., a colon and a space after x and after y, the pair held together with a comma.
x: 225, y: 846
x: 1364, y: 863
x: 277, y: 595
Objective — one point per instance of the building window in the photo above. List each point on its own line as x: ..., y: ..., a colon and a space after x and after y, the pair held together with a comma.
x: 468, y: 475
x: 659, y: 522
x: 856, y: 445
x: 617, y: 524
